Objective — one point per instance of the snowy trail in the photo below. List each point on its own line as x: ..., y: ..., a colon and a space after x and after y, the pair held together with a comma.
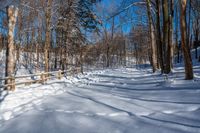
x: 112, y: 101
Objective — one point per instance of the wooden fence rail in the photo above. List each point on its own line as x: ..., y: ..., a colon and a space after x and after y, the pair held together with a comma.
x: 43, y: 77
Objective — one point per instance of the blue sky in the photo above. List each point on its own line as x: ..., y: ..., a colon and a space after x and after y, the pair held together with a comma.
x: 2, y: 17
x: 129, y: 19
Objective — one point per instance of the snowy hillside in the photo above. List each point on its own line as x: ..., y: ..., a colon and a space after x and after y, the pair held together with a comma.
x: 99, y: 66
x: 125, y: 100
x: 109, y: 101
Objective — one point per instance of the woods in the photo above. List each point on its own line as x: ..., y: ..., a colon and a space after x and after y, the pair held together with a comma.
x: 166, y: 48
x: 99, y: 66
x: 58, y: 35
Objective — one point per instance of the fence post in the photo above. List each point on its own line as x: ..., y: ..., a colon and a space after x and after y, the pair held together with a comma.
x: 13, y: 83
x: 42, y: 77
x: 59, y: 74
x: 80, y: 70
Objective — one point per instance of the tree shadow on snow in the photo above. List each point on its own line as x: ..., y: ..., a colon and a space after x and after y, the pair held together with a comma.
x: 3, y: 94
x: 101, y: 103
x: 172, y: 122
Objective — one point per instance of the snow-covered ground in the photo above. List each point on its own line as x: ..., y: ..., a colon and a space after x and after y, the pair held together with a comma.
x: 108, y: 101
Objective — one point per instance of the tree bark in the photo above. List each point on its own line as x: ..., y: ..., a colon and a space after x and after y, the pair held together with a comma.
x: 10, y: 52
x: 170, y: 41
x: 196, y: 37
x: 189, y: 21
x: 187, y: 56
x: 47, y: 35
x: 159, y: 41
x: 166, y: 45
x: 152, y: 37
x: 177, y: 42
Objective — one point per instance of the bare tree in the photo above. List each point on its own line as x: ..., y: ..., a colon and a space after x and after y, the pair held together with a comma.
x: 152, y: 37
x: 10, y: 52
x: 186, y: 51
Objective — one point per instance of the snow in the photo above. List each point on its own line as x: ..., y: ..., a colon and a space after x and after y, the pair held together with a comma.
x: 122, y: 100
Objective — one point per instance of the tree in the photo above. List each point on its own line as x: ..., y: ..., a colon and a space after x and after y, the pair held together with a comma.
x: 166, y: 45
x: 185, y: 47
x: 159, y: 37
x: 47, y: 34
x: 10, y: 53
x: 152, y: 37
x: 77, y: 17
x: 170, y: 50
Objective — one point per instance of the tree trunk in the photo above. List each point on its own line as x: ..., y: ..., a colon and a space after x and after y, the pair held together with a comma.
x: 187, y: 56
x: 189, y: 20
x: 124, y: 52
x: 47, y: 35
x: 10, y: 52
x: 159, y: 41
x: 166, y: 44
x: 107, y: 54
x: 177, y: 42
x: 170, y: 45
x: 196, y: 38
x: 152, y: 37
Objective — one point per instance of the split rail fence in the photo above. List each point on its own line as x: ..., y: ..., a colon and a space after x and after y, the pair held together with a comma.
x: 36, y: 78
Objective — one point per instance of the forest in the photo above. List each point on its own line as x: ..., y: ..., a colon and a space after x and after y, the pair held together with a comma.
x: 89, y: 45
x: 157, y: 32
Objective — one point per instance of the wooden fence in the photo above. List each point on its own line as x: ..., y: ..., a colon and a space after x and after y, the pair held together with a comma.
x: 43, y: 77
